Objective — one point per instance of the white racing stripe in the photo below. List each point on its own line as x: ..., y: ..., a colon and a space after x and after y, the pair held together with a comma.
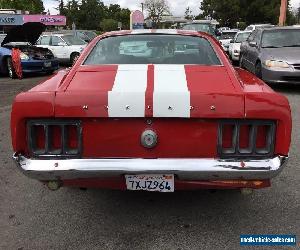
x: 171, y: 97
x: 127, y: 98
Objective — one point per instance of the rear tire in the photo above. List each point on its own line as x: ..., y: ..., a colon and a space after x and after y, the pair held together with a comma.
x: 74, y: 57
x: 10, y: 68
x: 50, y: 72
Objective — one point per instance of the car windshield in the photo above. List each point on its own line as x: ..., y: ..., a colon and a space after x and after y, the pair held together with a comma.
x: 153, y: 49
x: 73, y: 40
x: 204, y: 27
x: 242, y: 37
x: 227, y: 35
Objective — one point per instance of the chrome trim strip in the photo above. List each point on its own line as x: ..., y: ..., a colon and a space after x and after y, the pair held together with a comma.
x: 185, y: 169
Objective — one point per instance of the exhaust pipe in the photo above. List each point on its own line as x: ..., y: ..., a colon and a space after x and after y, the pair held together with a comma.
x: 54, y: 185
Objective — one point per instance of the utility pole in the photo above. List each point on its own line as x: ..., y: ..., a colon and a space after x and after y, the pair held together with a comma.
x: 142, y: 8
x: 283, y: 10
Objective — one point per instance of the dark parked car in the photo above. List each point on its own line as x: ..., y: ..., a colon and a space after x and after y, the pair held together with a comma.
x: 33, y: 59
x: 273, y: 54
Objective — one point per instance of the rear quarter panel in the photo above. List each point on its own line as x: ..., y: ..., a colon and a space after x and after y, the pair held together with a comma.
x: 261, y: 102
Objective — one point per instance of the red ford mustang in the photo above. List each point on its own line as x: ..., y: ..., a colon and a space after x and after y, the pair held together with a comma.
x: 155, y: 110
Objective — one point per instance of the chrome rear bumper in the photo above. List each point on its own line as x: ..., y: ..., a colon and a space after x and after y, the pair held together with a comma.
x: 184, y: 169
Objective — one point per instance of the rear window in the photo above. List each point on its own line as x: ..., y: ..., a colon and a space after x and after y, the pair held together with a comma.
x: 202, y: 27
x: 242, y: 37
x: 227, y: 35
x: 153, y: 49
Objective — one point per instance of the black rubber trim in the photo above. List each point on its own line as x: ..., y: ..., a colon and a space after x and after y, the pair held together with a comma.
x: 47, y: 152
x: 250, y: 152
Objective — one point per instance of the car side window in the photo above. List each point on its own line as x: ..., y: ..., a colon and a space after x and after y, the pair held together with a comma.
x: 45, y: 40
x: 56, y: 40
x: 252, y: 36
x: 257, y: 38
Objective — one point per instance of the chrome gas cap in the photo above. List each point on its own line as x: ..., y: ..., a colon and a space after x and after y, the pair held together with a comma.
x: 149, y: 139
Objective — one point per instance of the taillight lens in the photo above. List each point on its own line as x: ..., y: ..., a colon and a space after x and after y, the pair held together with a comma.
x: 243, y: 138
x: 38, y: 141
x: 54, y: 137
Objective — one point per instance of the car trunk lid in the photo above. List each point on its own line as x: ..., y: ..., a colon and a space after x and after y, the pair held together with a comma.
x: 161, y: 91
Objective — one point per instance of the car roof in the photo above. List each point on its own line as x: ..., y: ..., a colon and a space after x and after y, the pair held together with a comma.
x: 199, y: 21
x: 57, y: 34
x: 230, y: 31
x: 155, y: 31
x: 244, y: 31
x: 261, y: 24
x: 280, y: 28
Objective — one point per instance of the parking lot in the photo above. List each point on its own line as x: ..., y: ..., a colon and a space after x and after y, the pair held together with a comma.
x: 32, y: 217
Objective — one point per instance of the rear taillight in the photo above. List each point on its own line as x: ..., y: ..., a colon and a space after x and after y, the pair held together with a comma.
x: 246, y: 138
x: 54, y: 138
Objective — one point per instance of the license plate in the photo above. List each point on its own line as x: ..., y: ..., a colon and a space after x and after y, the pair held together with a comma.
x: 152, y: 183
x: 47, y: 64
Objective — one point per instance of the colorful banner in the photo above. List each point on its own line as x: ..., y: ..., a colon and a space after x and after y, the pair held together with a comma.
x: 46, y: 19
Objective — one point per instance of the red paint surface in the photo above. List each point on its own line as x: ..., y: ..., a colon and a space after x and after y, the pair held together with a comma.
x: 149, y: 92
x: 176, y: 138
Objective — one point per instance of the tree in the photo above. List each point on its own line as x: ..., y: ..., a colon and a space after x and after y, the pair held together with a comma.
x: 61, y: 7
x: 109, y: 25
x: 33, y: 6
x: 188, y: 14
x: 114, y: 11
x: 93, y: 14
x: 156, y: 9
x: 229, y: 12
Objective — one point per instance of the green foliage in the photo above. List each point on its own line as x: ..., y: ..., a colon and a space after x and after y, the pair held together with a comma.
x: 109, y: 24
x: 94, y: 15
x: 33, y: 6
x: 229, y: 12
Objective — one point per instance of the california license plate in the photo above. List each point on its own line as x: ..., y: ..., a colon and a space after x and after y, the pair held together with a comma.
x: 47, y: 64
x: 152, y: 182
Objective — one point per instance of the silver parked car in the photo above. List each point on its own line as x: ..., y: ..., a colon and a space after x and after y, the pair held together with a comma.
x: 273, y: 54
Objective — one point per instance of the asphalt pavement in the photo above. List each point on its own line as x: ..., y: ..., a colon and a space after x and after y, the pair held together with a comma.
x: 32, y: 217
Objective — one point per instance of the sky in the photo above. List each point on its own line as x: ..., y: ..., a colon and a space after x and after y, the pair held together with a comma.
x: 177, y: 6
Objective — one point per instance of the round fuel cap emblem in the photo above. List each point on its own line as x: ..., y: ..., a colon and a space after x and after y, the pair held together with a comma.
x: 149, y: 139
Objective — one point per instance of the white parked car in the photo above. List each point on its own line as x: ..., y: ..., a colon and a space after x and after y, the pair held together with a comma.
x: 235, y: 44
x: 255, y: 26
x: 66, y: 47
x: 225, y: 38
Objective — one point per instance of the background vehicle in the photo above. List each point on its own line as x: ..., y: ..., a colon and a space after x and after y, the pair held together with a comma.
x: 201, y: 25
x: 225, y: 38
x: 65, y: 46
x: 235, y: 44
x: 33, y: 59
x: 121, y: 120
x: 223, y: 29
x: 273, y: 54
x: 85, y: 35
x: 255, y: 26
